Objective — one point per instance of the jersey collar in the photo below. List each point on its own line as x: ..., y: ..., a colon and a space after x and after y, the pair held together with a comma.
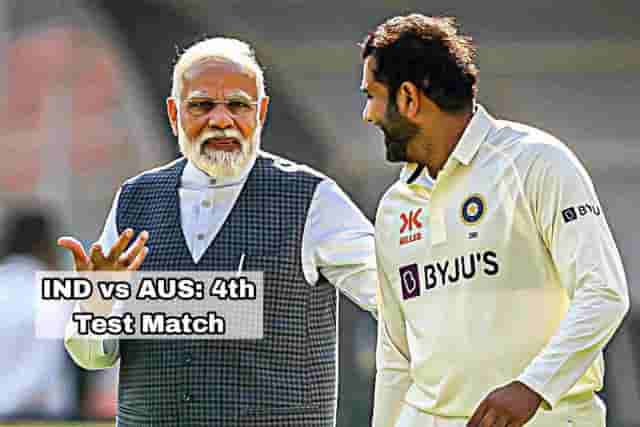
x: 479, y: 126
x: 473, y: 136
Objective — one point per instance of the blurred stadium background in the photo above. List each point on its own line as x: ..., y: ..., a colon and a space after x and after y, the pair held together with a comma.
x: 84, y: 84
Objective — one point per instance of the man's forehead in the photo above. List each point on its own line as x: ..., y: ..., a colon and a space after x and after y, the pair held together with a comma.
x: 230, y: 93
x: 368, y: 78
x: 219, y: 75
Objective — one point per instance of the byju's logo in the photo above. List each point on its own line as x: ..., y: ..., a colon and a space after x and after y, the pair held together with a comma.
x: 569, y: 214
x: 410, y: 279
x: 409, y: 222
x: 573, y: 213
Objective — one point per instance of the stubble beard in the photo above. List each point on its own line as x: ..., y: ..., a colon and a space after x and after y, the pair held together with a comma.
x: 398, y: 132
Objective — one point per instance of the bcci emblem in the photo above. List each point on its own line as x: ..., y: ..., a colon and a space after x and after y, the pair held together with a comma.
x: 472, y: 209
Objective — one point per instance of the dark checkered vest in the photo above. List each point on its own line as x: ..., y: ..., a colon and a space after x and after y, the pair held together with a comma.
x: 286, y: 379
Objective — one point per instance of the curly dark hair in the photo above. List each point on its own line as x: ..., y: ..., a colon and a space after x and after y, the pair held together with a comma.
x: 430, y: 53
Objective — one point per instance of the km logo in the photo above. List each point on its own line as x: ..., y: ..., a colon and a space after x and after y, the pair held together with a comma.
x: 410, y: 221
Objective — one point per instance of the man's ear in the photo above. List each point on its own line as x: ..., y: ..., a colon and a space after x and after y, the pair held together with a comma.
x: 408, y: 99
x: 172, y: 112
x: 264, y: 107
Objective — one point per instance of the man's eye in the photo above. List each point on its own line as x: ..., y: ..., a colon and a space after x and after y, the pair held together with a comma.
x: 200, y: 104
x: 199, y: 107
x: 239, y: 107
x: 238, y: 104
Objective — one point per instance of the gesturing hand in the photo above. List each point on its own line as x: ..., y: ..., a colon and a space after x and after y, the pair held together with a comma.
x: 509, y: 406
x: 115, y: 260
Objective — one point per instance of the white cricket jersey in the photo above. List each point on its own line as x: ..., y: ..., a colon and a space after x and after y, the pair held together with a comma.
x: 501, y: 269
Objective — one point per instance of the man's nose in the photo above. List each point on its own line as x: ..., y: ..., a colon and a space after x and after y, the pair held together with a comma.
x: 220, y: 117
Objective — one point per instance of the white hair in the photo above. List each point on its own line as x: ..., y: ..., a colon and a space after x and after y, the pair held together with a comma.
x: 231, y: 50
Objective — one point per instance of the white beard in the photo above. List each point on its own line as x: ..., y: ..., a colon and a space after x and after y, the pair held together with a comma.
x: 218, y: 163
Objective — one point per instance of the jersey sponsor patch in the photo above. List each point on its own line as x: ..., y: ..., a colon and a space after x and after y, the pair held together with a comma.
x: 574, y: 212
x: 410, y: 281
x: 457, y: 270
x: 461, y: 269
x: 411, y: 226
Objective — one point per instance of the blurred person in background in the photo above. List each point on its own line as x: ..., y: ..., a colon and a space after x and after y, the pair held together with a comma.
x: 36, y: 374
x: 500, y: 281
x: 73, y: 101
x: 228, y: 205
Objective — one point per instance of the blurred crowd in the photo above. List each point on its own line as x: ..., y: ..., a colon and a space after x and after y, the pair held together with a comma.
x: 82, y: 108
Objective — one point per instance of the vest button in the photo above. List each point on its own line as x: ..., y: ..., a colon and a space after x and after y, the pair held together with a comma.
x: 188, y: 359
x: 186, y: 397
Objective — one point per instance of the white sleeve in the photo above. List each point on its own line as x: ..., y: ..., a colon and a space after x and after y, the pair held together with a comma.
x: 392, y: 355
x: 338, y: 241
x: 95, y: 352
x: 109, y: 234
x: 90, y: 352
x: 571, y: 222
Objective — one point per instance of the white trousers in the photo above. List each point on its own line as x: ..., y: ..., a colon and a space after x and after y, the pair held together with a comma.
x: 589, y: 412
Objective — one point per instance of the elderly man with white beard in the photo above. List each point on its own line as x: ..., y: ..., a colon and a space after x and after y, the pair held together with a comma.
x: 226, y: 203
